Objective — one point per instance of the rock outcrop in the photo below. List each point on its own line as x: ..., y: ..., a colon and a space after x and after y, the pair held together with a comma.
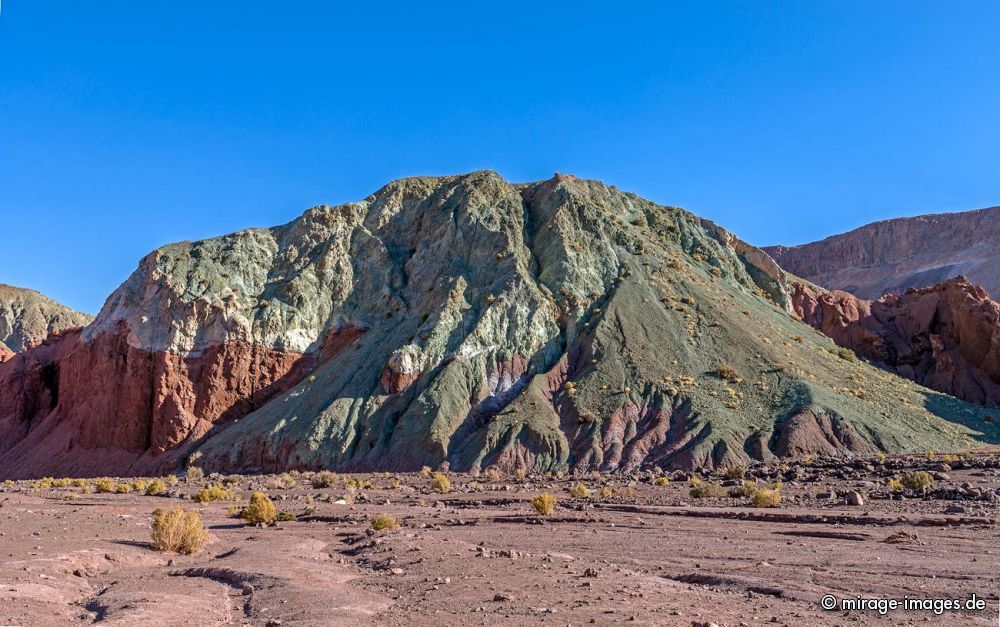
x: 894, y: 255
x: 945, y: 336
x: 28, y: 317
x: 463, y: 321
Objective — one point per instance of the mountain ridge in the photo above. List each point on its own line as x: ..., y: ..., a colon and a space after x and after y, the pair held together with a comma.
x: 27, y: 317
x: 896, y: 254
x: 457, y: 321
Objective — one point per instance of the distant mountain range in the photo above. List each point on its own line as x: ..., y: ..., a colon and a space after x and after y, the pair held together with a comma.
x: 893, y: 255
x: 28, y: 317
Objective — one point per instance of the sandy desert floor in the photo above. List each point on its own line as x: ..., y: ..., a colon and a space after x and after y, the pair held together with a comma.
x: 646, y: 554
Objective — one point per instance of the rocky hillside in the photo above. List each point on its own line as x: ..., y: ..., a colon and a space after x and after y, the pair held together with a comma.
x: 894, y: 255
x: 460, y: 321
x: 27, y: 318
x: 945, y: 336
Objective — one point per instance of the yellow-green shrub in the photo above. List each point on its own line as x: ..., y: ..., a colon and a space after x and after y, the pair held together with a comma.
x: 214, y: 492
x: 766, y: 497
x: 544, y: 503
x: 440, y: 483
x: 706, y: 490
x: 179, y: 531
x: 104, y: 484
x: 260, y: 511
x: 918, y: 480
x: 156, y: 487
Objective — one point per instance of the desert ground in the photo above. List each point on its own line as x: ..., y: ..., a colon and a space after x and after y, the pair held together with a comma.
x: 632, y: 548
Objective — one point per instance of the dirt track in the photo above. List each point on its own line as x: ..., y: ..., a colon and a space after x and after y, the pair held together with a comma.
x: 648, y: 554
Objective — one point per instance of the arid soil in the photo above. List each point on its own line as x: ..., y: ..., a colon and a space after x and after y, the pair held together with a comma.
x: 648, y: 553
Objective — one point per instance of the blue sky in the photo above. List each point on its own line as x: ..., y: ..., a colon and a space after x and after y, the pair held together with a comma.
x: 125, y: 125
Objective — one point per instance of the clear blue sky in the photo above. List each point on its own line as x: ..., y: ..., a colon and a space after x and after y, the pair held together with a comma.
x: 125, y: 125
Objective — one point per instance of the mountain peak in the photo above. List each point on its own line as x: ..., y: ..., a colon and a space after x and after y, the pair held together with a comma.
x: 461, y: 321
x: 27, y: 317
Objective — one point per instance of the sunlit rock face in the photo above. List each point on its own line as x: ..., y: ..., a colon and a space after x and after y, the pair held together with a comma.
x: 461, y: 321
x: 894, y: 255
x: 28, y: 317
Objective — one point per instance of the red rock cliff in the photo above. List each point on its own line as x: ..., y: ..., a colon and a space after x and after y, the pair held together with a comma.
x: 945, y: 336
x: 73, y: 407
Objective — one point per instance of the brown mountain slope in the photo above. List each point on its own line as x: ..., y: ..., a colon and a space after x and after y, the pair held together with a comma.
x: 465, y: 321
x: 893, y: 255
x: 28, y: 317
x: 945, y: 336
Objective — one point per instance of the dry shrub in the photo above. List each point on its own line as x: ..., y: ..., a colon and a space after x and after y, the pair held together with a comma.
x: 628, y: 491
x: 918, y: 480
x: 544, y: 503
x: 383, y: 522
x: 195, y: 474
x: 284, y: 481
x: 707, y: 490
x: 440, y: 483
x: 123, y: 488
x: 846, y: 354
x: 746, y: 489
x: 493, y: 474
x: 727, y: 373
x: 214, y: 492
x: 579, y: 491
x: 156, y: 487
x: 736, y: 472
x: 324, y: 479
x: 661, y: 481
x: 178, y: 531
x: 605, y: 492
x: 425, y: 472
x: 104, y: 484
x: 260, y: 511
x: 766, y: 497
